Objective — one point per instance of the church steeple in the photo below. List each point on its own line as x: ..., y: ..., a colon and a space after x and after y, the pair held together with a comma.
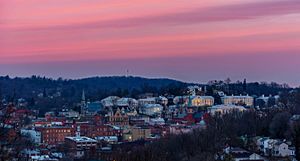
x: 83, y: 96
x: 190, y: 102
x: 83, y: 103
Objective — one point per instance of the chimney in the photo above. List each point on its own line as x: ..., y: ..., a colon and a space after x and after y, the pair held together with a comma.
x: 78, y: 132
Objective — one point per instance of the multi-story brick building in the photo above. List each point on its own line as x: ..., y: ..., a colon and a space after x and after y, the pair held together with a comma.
x: 79, y: 146
x: 55, y: 134
x: 135, y: 133
x: 93, y: 131
x: 119, y: 119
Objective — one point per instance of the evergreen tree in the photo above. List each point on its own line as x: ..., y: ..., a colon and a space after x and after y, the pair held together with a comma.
x: 245, y: 86
x: 44, y: 93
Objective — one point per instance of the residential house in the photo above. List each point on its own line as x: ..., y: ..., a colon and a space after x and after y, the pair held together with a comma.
x: 275, y: 147
x: 282, y: 149
x: 151, y: 109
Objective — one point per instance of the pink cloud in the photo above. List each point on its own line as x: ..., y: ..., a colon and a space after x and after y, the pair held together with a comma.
x: 232, y: 12
x: 50, y: 31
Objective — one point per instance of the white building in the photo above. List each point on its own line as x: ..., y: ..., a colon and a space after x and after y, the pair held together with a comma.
x: 151, y: 109
x: 127, y: 102
x: 192, y: 90
x: 238, y: 100
x: 145, y: 101
x: 180, y: 129
x: 119, y: 102
x: 42, y: 158
x: 69, y: 113
x: 281, y: 149
x: 162, y: 100
x: 157, y: 121
x: 77, y: 145
x: 195, y: 101
x: 109, y: 101
x: 222, y: 109
x: 153, y: 100
x: 109, y: 139
x: 275, y: 147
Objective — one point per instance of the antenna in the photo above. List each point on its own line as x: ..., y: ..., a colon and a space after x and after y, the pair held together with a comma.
x: 127, y: 73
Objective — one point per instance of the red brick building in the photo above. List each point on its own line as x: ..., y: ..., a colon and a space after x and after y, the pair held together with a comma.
x: 93, y: 131
x: 119, y: 119
x: 55, y: 135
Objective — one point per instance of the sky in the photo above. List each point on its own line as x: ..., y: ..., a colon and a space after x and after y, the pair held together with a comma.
x: 193, y: 41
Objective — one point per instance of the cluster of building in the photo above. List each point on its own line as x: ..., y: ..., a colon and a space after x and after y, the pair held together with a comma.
x: 102, y: 125
x: 275, y: 147
x: 265, y: 149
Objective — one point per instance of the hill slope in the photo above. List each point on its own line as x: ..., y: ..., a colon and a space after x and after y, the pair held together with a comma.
x: 98, y: 87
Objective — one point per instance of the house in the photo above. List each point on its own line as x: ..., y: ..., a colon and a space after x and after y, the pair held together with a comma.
x: 114, y: 101
x: 268, y: 146
x: 139, y: 120
x: 109, y: 101
x: 185, y: 118
x: 153, y: 100
x: 127, y: 103
x: 108, y: 139
x: 145, y: 101
x: 42, y: 158
x: 162, y: 100
x: 132, y: 113
x: 179, y: 129
x: 239, y: 154
x: 260, y: 143
x: 256, y: 157
x: 282, y: 149
x: 151, y: 109
x: 274, y: 147
x: 157, y: 121
x: 68, y: 113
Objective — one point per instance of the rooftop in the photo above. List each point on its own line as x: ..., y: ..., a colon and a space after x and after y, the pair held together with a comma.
x: 81, y: 139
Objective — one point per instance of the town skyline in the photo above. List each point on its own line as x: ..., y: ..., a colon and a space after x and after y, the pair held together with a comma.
x: 149, y: 80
